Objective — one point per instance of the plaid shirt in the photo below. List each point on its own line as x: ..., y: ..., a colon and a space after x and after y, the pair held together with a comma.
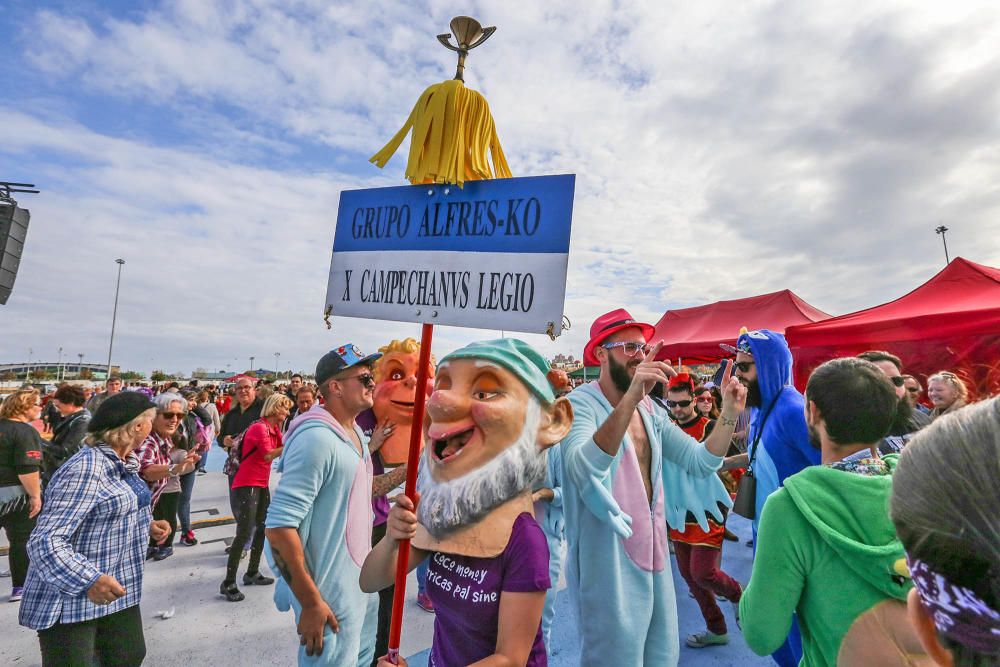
x: 91, y: 524
x: 154, y: 450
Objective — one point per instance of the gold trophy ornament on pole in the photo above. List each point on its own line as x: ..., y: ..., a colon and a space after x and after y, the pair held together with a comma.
x: 452, y: 128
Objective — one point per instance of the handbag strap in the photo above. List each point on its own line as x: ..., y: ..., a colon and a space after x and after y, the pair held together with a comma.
x: 759, y: 432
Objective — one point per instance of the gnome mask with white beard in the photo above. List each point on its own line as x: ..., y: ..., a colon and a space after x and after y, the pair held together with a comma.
x: 489, y: 421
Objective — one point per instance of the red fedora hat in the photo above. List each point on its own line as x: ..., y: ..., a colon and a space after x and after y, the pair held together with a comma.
x: 607, y: 324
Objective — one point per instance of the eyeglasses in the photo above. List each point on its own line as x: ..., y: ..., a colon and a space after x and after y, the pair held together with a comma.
x: 913, y: 390
x: 170, y: 416
x: 678, y: 404
x: 704, y: 399
x: 897, y: 380
x: 743, y: 366
x: 366, y: 379
x: 630, y: 349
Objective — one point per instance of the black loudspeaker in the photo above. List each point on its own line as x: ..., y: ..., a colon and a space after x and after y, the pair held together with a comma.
x: 13, y: 231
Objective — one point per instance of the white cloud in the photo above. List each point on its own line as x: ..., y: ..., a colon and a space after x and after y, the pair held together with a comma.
x: 721, y: 151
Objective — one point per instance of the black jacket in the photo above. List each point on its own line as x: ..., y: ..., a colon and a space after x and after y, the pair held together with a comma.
x: 236, y: 420
x: 67, y: 440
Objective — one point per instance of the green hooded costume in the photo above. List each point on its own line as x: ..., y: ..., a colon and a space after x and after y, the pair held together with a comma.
x: 827, y: 550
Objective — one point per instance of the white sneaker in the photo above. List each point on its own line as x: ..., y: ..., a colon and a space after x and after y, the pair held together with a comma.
x: 706, y: 638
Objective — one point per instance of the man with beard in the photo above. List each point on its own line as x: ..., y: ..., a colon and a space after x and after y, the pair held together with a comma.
x: 628, y: 472
x: 778, y: 440
x: 906, y: 421
x: 490, y: 418
x: 321, y: 514
x: 828, y: 550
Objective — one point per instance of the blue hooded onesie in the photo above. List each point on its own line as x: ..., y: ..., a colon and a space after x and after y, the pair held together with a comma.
x: 617, y: 565
x: 784, y: 447
x: 325, y: 493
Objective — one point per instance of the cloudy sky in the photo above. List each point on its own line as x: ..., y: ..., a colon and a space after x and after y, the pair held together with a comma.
x: 721, y: 150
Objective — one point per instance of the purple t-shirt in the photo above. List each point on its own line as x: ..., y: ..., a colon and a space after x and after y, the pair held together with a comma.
x: 380, y: 506
x: 466, y: 595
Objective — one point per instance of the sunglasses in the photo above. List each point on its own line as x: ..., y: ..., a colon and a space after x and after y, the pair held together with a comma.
x: 170, y: 416
x: 630, y: 349
x: 678, y: 404
x: 913, y: 390
x: 366, y: 379
x: 897, y: 380
x: 704, y: 399
x: 743, y: 366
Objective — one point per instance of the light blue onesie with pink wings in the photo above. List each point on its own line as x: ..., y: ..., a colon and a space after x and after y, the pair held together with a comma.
x: 617, y: 562
x: 325, y: 493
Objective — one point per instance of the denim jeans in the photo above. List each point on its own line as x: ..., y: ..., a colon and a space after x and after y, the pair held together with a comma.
x: 422, y: 576
x: 184, y: 503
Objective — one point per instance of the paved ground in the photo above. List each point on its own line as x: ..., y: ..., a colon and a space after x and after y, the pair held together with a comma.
x: 205, y: 629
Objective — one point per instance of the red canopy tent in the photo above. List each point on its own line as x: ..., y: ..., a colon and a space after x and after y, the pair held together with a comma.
x: 694, y: 334
x: 951, y: 322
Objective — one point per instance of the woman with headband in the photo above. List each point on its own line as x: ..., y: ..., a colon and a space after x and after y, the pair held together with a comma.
x: 946, y: 509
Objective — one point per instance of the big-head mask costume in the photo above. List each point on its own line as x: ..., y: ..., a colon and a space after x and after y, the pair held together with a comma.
x: 395, y: 394
x: 489, y: 420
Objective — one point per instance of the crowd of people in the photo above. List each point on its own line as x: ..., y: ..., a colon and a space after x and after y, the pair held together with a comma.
x: 874, y: 515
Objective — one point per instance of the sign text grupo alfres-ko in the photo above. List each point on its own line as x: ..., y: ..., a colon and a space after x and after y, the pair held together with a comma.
x: 492, y: 255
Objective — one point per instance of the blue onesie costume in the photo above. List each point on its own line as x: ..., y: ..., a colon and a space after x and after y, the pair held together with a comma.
x: 325, y: 492
x: 784, y: 447
x: 617, y: 564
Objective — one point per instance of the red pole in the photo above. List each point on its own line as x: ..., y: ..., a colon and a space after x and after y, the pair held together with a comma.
x: 416, y: 435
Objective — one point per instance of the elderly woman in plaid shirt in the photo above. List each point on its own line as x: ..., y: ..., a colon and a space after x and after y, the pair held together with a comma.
x: 87, y: 549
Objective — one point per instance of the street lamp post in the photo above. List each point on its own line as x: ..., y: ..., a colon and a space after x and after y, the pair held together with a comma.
x: 276, y: 355
x: 79, y: 368
x: 59, y: 366
x: 251, y: 363
x: 942, y: 230
x: 27, y: 375
x: 114, y: 317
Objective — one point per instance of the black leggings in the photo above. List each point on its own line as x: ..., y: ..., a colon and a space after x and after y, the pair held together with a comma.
x: 18, y: 528
x: 166, y: 508
x: 251, y: 503
x: 110, y: 641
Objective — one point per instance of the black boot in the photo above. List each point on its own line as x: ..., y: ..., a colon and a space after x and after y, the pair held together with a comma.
x: 229, y: 590
x: 257, y: 579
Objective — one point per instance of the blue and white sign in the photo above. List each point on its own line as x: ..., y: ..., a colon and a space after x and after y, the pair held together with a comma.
x: 491, y: 255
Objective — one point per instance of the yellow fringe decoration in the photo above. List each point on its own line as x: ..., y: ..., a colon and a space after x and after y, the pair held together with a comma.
x: 452, y: 130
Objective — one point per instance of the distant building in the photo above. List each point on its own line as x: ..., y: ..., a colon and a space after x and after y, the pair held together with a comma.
x: 210, y: 376
x: 54, y: 371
